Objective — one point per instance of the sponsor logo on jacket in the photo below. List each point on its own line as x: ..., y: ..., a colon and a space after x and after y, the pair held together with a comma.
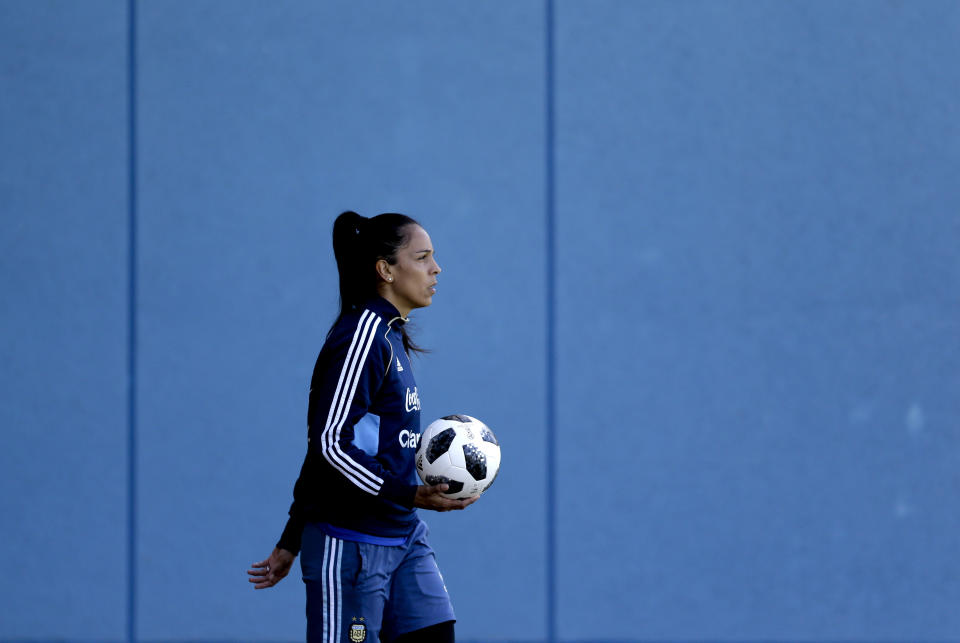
x: 409, y: 439
x: 413, y: 400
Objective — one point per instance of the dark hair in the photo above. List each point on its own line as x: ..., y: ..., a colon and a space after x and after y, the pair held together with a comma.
x: 358, y: 243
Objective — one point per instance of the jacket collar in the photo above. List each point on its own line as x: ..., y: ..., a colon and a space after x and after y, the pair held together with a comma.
x: 387, y: 311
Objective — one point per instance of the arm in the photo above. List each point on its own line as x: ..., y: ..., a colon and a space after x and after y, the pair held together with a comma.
x: 343, y: 391
x: 274, y: 568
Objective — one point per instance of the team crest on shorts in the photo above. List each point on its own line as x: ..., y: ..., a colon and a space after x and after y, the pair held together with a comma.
x: 358, y: 630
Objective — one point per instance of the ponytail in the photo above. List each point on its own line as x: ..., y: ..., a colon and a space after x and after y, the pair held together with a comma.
x: 354, y: 264
x: 358, y: 243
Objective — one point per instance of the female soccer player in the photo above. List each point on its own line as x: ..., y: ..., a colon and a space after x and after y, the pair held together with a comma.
x: 366, y: 562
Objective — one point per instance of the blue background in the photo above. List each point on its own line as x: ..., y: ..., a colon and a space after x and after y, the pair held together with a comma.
x: 701, y: 276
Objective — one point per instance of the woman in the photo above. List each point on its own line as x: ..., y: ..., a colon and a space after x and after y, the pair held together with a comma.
x: 368, y: 568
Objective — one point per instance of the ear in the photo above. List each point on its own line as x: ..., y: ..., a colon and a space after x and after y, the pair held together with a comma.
x: 383, y: 269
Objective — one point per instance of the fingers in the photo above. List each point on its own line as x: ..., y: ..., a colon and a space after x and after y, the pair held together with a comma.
x: 264, y: 579
x: 432, y: 497
x: 271, y: 571
x: 262, y: 575
x: 259, y: 570
x: 261, y: 580
x: 449, y: 504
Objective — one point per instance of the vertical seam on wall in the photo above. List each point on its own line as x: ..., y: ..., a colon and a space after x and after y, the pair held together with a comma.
x: 551, y: 327
x: 131, y: 320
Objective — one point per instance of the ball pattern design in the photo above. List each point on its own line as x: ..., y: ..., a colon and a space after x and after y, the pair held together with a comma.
x: 487, y: 436
x: 476, y: 461
x: 440, y: 444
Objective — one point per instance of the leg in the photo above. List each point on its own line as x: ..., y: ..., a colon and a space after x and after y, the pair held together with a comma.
x: 345, y: 598
x: 439, y: 633
x: 418, y: 597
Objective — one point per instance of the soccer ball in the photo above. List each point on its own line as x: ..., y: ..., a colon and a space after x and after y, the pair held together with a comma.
x: 461, y: 451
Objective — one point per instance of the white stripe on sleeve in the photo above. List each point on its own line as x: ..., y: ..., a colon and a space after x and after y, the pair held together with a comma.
x: 363, y: 339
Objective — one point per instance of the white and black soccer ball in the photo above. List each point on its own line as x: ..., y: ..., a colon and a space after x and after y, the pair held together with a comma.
x: 461, y: 451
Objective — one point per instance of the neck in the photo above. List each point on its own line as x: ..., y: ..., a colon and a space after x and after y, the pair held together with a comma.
x: 402, y: 308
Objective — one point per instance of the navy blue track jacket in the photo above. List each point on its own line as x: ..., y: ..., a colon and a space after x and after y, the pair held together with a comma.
x: 363, y: 431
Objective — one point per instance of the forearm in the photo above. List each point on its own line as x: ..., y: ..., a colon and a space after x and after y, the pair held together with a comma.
x: 292, y: 534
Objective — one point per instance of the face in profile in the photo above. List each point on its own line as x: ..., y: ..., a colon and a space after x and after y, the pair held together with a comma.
x: 414, y: 272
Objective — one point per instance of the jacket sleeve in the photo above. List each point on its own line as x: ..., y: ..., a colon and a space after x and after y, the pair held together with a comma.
x: 355, y: 370
x: 292, y: 534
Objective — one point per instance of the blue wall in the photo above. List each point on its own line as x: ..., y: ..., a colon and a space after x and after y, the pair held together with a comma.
x: 753, y: 214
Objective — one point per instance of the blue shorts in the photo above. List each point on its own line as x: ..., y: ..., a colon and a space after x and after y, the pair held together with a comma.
x: 357, y: 591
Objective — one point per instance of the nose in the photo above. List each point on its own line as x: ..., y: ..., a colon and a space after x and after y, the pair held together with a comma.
x: 436, y: 268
